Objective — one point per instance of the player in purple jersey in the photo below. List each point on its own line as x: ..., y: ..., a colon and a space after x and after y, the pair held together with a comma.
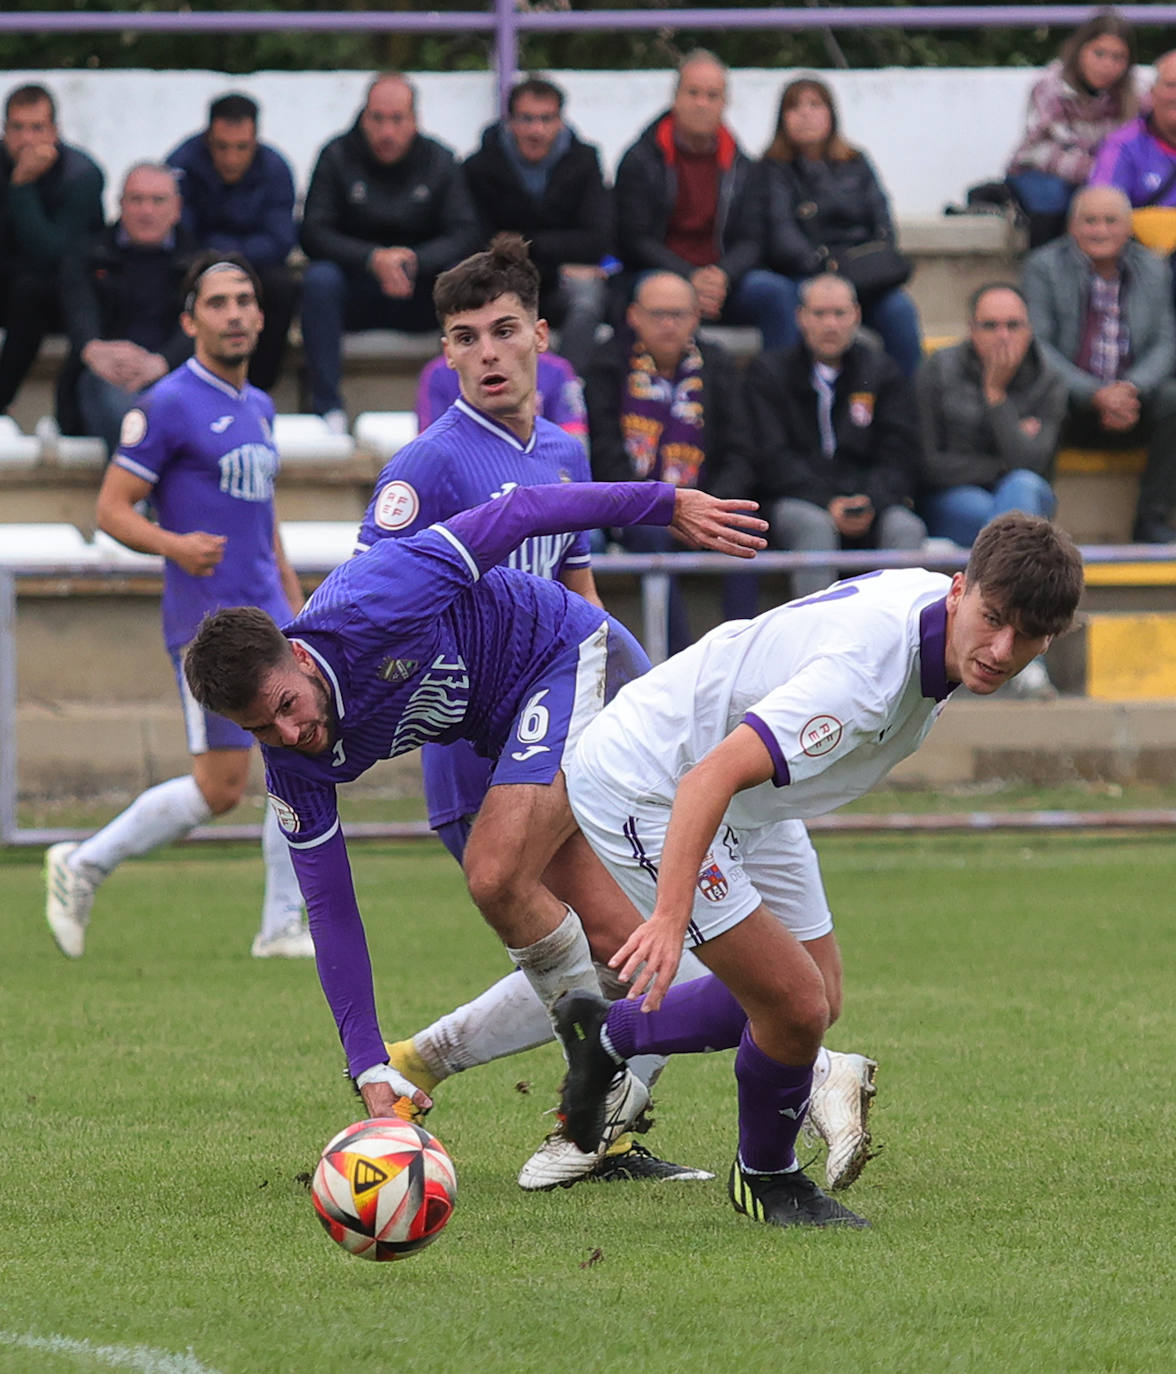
x: 559, y: 394
x: 425, y: 639
x: 200, y: 449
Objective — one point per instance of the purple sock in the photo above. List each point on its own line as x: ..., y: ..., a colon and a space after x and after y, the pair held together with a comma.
x: 693, y: 1018
x: 772, y: 1102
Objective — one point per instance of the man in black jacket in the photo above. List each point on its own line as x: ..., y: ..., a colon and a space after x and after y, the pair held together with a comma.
x: 387, y: 211
x: 837, y: 434
x: 688, y: 202
x: 665, y: 406
x: 50, y: 205
x: 121, y: 304
x: 534, y: 176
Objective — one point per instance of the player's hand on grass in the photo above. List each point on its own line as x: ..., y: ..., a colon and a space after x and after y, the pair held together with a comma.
x: 386, y: 1092
x: 648, y: 960
x: 706, y: 522
x: 197, y: 553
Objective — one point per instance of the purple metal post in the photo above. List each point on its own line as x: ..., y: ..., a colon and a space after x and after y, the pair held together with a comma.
x: 506, y: 50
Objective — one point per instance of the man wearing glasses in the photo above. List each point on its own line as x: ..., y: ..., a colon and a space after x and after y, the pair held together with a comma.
x: 533, y: 176
x: 991, y: 409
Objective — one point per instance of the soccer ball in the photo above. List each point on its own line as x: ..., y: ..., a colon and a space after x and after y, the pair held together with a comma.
x: 384, y: 1188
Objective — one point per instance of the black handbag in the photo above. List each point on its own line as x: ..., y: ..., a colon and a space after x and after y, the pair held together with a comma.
x: 872, y: 267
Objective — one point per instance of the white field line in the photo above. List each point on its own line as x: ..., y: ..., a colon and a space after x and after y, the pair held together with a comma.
x: 141, y: 1358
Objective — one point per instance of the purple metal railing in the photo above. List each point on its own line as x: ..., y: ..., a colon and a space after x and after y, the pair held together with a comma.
x: 506, y: 23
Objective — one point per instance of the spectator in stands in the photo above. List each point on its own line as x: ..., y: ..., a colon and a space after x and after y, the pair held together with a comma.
x: 1080, y: 98
x: 50, y: 205
x: 688, y: 202
x: 387, y: 210
x: 121, y: 301
x: 666, y: 406
x: 559, y: 395
x: 822, y: 197
x: 836, y: 432
x: 532, y: 175
x: 991, y: 410
x: 1101, y: 307
x: 1140, y: 159
x: 239, y: 197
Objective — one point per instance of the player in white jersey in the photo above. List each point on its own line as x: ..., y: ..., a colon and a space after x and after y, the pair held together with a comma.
x: 693, y: 784
x: 199, y: 447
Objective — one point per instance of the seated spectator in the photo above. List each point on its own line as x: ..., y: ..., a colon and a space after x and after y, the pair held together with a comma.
x: 239, y: 197
x: 386, y: 212
x: 121, y: 302
x: 687, y: 202
x: 1140, y: 159
x: 665, y: 406
x: 1080, y: 98
x: 50, y: 206
x: 1101, y: 307
x: 991, y: 410
x: 822, y: 197
x: 836, y: 432
x: 534, y: 176
x: 559, y: 395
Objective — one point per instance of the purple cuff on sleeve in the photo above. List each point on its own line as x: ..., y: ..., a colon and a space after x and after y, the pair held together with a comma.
x: 781, y: 777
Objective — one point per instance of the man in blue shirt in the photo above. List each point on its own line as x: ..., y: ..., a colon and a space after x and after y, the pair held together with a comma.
x: 200, y: 448
x: 239, y: 198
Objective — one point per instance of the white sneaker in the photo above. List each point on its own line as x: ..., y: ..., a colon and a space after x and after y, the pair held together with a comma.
x: 292, y: 942
x: 557, y: 1163
x: 69, y: 895
x: 838, y: 1115
x: 336, y: 421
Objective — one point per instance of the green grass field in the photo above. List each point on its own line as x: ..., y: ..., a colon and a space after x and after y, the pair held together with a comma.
x: 162, y: 1095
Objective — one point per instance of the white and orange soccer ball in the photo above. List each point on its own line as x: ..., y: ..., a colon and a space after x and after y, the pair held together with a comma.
x: 384, y: 1188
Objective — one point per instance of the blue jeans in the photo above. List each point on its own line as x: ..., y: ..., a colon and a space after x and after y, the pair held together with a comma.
x: 767, y: 301
x: 894, y: 317
x: 102, y: 406
x: 334, y: 300
x: 960, y: 513
x: 1041, y: 193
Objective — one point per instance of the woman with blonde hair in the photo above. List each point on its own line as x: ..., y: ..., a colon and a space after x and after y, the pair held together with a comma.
x: 826, y: 211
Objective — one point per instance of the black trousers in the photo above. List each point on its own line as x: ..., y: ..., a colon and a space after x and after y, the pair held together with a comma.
x: 29, y: 310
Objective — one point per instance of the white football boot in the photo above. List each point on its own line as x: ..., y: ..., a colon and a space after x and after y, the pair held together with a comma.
x: 838, y: 1114
x: 291, y: 942
x: 559, y: 1163
x: 69, y: 896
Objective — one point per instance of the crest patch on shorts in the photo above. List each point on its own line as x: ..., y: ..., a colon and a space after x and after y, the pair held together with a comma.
x: 712, y: 882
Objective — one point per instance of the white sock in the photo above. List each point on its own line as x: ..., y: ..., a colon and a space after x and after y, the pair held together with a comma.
x: 558, y: 962
x: 282, y: 905
x: 160, y: 815
x: 505, y: 1019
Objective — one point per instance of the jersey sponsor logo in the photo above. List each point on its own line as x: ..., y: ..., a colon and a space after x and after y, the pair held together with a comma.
x: 338, y: 754
x: 287, y: 816
x: 861, y: 408
x: 712, y: 882
x: 522, y: 755
x: 247, y: 472
x: 820, y: 735
x: 438, y: 703
x: 134, y: 428
x: 398, y: 669
x: 219, y: 426
x: 502, y: 490
x: 397, y: 506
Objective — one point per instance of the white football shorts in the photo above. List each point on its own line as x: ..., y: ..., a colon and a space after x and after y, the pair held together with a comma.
x: 774, y: 864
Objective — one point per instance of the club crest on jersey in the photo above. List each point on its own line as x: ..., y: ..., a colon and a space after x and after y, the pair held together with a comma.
x: 398, y: 669
x: 397, y: 506
x: 712, y: 882
x: 820, y: 735
x: 861, y: 408
x: 287, y: 816
x: 134, y: 428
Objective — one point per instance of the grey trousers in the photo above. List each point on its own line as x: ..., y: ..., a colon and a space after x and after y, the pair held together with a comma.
x: 804, y: 527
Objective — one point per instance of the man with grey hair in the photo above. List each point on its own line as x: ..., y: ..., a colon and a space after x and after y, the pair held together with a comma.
x: 121, y: 303
x: 1101, y: 308
x: 836, y: 434
x: 688, y: 202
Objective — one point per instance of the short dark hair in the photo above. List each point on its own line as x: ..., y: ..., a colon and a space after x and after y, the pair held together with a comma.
x: 190, y: 290
x: 539, y: 87
x: 30, y: 95
x: 234, y: 649
x: 233, y: 107
x: 1031, y: 569
x: 981, y: 291
x: 505, y: 266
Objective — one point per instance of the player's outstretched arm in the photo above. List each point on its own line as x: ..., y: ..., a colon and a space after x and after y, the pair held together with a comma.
x: 706, y: 522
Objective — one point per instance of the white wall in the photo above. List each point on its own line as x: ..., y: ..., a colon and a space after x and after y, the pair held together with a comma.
x: 930, y: 133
